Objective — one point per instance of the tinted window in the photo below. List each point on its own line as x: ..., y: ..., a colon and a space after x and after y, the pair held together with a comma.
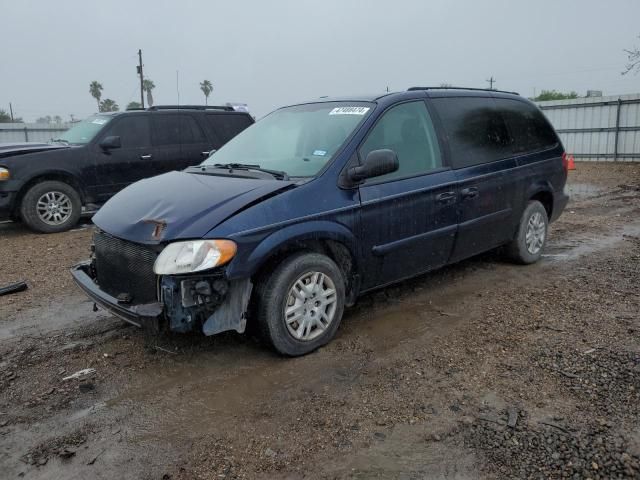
x: 407, y: 130
x: 528, y: 127
x: 132, y: 130
x: 176, y: 130
x: 227, y: 126
x: 477, y: 133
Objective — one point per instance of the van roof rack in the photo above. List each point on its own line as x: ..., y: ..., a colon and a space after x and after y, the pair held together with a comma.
x: 461, y: 88
x: 225, y: 108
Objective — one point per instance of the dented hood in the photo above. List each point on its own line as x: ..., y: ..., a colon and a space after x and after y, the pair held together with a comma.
x: 179, y: 205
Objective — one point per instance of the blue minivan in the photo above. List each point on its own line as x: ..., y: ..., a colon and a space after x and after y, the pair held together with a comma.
x: 318, y: 203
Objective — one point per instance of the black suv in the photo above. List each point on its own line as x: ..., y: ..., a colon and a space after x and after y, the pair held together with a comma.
x: 48, y: 186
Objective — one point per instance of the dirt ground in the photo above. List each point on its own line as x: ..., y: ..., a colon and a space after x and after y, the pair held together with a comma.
x: 481, y: 370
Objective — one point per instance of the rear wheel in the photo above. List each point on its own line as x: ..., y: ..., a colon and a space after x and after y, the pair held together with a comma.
x: 529, y: 242
x: 300, y: 304
x: 51, y: 206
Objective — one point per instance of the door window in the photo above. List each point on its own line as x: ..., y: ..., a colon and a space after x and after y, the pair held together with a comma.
x: 477, y: 133
x: 132, y: 130
x: 176, y: 130
x: 530, y: 130
x: 227, y: 125
x: 407, y: 130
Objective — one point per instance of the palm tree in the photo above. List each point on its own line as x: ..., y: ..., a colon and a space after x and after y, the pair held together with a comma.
x: 133, y: 105
x: 147, y: 86
x: 206, y: 88
x: 95, y: 89
x: 108, y: 105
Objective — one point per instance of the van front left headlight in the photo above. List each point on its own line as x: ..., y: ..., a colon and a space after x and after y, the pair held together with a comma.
x: 4, y: 174
x: 193, y: 256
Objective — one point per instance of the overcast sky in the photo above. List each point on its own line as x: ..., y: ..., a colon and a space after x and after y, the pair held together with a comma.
x: 272, y: 53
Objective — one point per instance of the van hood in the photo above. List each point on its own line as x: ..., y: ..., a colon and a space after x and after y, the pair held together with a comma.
x: 180, y: 205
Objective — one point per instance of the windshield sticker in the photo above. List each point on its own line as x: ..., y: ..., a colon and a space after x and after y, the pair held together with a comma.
x: 100, y: 121
x: 319, y: 153
x: 349, y: 111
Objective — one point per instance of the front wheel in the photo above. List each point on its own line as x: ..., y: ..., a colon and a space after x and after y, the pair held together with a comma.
x: 300, y: 304
x: 529, y: 242
x: 51, y: 207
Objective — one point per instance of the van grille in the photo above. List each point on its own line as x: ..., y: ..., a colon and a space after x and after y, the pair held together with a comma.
x: 124, y: 267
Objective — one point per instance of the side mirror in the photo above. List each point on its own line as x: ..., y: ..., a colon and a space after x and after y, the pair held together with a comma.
x: 111, y: 142
x: 378, y: 162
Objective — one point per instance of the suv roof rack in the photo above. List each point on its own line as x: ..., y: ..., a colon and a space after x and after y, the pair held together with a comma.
x: 461, y: 88
x: 192, y: 107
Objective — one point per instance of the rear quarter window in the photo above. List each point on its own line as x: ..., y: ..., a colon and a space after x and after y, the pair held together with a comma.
x: 475, y: 129
x: 529, y: 128
x: 225, y: 126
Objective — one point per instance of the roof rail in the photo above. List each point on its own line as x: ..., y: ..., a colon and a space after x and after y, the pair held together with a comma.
x: 461, y: 88
x: 192, y: 107
x: 134, y: 108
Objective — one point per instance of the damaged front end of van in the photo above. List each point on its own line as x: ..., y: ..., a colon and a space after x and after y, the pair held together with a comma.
x: 152, y: 264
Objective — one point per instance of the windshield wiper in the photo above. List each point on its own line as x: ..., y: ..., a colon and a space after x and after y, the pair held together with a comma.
x: 247, y: 166
x: 61, y: 140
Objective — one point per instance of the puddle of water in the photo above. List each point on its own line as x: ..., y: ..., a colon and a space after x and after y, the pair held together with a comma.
x: 582, y: 191
x: 572, y: 249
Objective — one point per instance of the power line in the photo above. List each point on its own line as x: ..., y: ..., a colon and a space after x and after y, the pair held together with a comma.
x: 491, y: 81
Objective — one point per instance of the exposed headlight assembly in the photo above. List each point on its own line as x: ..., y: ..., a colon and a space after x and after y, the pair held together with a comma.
x: 193, y: 256
x: 4, y: 174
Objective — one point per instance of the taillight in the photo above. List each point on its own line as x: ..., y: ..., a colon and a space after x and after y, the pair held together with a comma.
x: 565, y: 161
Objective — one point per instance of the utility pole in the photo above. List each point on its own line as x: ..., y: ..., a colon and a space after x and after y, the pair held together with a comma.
x: 491, y: 82
x: 141, y: 77
x: 11, y: 110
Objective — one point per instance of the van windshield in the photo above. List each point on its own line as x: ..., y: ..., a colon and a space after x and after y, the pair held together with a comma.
x: 84, y: 131
x: 298, y: 140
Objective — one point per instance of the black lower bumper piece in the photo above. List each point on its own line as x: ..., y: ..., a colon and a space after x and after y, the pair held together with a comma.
x: 147, y: 315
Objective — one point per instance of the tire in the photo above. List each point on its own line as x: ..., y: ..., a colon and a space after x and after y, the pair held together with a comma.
x: 310, y: 329
x: 534, y: 222
x: 51, y: 207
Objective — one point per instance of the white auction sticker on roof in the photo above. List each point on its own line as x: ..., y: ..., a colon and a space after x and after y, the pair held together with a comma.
x: 349, y: 111
x: 100, y: 121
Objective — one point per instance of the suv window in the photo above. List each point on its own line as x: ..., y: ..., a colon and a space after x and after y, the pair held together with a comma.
x: 476, y: 130
x: 528, y: 127
x: 227, y: 125
x: 407, y: 130
x: 176, y: 130
x: 133, y: 131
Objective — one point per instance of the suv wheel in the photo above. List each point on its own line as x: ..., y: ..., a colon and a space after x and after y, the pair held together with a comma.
x: 529, y: 242
x: 50, y: 207
x: 300, y: 304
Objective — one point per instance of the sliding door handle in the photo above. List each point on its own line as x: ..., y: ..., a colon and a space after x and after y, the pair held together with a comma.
x: 469, y: 192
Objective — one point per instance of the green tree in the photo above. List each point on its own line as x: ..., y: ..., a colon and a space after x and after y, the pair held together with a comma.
x: 133, y: 105
x: 57, y: 119
x: 555, y: 95
x: 148, y: 86
x: 45, y: 119
x: 206, y: 88
x: 6, y: 118
x: 95, y: 89
x: 108, y: 105
x: 633, y: 60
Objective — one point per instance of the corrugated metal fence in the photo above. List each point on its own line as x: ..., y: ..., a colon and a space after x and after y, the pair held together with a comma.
x: 598, y: 128
x: 30, y: 132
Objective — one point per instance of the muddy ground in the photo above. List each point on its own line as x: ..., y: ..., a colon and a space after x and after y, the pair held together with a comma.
x: 481, y: 370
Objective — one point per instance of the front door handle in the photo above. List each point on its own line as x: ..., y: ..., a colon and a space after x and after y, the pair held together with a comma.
x: 469, y: 192
x: 446, y: 197
x: 146, y: 157
x: 205, y: 154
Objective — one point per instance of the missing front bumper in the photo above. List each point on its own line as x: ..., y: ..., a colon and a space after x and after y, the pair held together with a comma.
x: 226, y: 312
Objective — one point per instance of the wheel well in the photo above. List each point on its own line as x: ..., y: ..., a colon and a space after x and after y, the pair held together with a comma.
x: 333, y: 249
x: 60, y: 177
x: 546, y: 199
